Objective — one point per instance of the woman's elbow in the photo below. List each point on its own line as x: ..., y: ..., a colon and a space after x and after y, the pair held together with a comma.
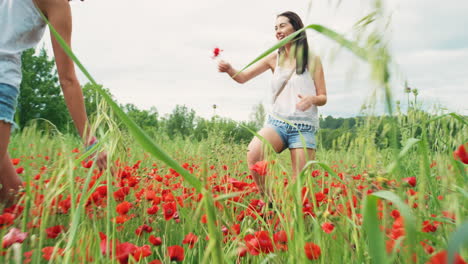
x: 323, y: 100
x: 241, y: 81
x: 68, y: 82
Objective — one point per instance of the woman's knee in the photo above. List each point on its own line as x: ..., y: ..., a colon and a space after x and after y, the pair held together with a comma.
x: 254, y: 152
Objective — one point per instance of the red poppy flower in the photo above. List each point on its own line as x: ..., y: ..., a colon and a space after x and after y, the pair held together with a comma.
x: 204, y: 219
x: 461, y: 154
x: 120, y: 194
x: 176, y: 253
x: 427, y: 248
x: 260, y: 167
x: 123, y: 250
x: 65, y: 205
x: 429, y: 227
x: 13, y: 236
x: 328, y: 227
x: 216, y: 52
x: 320, y: 197
x: 242, y: 251
x: 143, y: 228
x: 54, y: 231
x: 448, y: 214
x: 442, y: 258
x: 19, y: 170
x: 315, y: 173
x: 252, y: 244
x: 14, y: 209
x: 155, y: 240
x: 27, y: 255
x: 123, y: 208
x: 15, y: 161
x: 411, y: 181
x: 281, y: 240
x: 264, y: 240
x: 103, y: 245
x: 169, y: 210
x: 312, y: 251
x: 190, y: 239
x: 156, y: 261
x: 152, y: 210
x: 51, y: 251
x: 236, y: 229
x: 395, y: 214
x: 142, y: 252
x: 87, y: 164
x: 122, y: 219
x: 256, y: 205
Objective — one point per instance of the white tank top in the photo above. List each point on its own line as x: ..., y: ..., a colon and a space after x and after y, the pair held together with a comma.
x: 285, y: 105
x: 21, y: 28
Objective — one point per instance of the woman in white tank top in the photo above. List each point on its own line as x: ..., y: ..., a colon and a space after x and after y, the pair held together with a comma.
x: 22, y: 27
x: 297, y: 88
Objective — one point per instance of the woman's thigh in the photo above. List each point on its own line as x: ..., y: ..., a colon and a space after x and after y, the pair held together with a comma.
x: 271, y: 136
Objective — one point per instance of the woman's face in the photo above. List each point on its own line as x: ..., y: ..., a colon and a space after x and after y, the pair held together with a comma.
x: 283, y: 28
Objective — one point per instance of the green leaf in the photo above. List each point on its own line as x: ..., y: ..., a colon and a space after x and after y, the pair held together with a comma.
x: 410, y: 222
x: 375, y: 238
x: 458, y: 239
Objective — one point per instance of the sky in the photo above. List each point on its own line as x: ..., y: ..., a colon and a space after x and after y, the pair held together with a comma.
x: 158, y: 53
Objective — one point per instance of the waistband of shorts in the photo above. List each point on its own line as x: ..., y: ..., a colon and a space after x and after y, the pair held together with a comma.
x: 276, y: 122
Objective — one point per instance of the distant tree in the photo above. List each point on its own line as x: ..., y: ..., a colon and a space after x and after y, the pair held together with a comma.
x: 40, y: 93
x: 180, y: 122
x: 146, y: 119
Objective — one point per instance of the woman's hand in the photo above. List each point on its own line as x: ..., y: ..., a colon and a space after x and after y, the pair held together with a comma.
x: 102, y: 160
x: 305, y: 103
x: 224, y: 66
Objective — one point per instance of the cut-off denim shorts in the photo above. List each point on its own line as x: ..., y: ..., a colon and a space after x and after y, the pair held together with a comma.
x: 293, y: 137
x: 8, y: 101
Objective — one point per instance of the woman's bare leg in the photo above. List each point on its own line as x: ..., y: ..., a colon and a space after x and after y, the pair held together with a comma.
x: 299, y: 159
x: 9, y: 179
x: 256, y: 153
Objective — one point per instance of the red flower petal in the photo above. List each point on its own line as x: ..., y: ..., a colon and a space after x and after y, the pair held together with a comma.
x: 13, y: 236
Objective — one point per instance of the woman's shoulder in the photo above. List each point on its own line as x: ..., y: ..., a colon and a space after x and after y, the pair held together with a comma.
x: 270, y: 59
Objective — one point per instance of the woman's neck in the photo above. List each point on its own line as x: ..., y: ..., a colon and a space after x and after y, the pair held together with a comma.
x: 287, y: 49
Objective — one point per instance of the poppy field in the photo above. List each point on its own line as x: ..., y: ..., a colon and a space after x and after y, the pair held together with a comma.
x: 395, y: 192
x: 354, y: 206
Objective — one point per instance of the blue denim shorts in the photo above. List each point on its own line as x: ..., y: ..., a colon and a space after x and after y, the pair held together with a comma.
x: 294, y: 137
x: 8, y: 101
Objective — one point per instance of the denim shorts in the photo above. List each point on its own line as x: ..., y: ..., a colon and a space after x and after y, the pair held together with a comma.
x: 8, y: 101
x: 293, y: 137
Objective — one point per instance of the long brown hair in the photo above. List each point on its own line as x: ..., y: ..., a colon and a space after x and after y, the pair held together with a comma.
x: 300, y: 41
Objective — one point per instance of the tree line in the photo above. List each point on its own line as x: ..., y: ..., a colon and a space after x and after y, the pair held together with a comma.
x: 40, y: 98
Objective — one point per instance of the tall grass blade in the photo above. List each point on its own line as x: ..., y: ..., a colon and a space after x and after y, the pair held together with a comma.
x: 458, y: 239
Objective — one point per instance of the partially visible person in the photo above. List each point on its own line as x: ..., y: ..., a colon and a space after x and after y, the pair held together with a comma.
x: 298, y: 87
x: 22, y: 27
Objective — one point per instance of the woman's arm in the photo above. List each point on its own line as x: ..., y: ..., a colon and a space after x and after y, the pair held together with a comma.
x: 58, y: 13
x: 255, y: 70
x: 319, y: 81
x: 320, y: 99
